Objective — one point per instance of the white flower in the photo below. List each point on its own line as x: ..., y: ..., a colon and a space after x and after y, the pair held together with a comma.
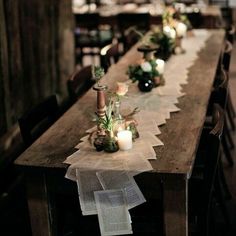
x: 146, y: 66
x: 169, y: 31
x: 122, y: 88
x: 181, y: 29
x: 160, y: 66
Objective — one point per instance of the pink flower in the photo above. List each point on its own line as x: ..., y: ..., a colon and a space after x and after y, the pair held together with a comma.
x: 122, y: 88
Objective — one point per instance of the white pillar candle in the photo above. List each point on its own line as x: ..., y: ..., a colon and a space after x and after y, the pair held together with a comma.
x: 181, y: 29
x: 169, y: 31
x: 124, y: 139
x: 160, y: 66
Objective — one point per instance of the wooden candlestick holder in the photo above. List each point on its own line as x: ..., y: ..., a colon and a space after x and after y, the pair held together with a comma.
x: 101, y: 104
x: 147, y: 51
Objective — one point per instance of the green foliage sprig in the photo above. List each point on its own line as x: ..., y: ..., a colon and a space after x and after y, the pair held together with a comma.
x: 106, y: 122
x: 97, y: 72
x: 164, y: 42
x: 137, y: 72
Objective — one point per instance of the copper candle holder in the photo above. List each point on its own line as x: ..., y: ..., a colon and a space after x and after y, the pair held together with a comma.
x: 101, y: 104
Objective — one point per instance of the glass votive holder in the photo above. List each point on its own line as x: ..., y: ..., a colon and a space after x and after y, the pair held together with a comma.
x: 124, y: 139
x: 119, y: 125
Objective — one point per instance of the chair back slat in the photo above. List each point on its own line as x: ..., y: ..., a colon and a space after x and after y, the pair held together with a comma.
x: 213, y: 149
x: 109, y: 55
x: 80, y: 82
x: 207, y: 162
x: 230, y: 33
x: 34, y: 122
x: 227, y: 55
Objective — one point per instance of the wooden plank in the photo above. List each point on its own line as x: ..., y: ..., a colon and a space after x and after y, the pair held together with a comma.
x: 175, y: 198
x: 193, y: 109
x: 37, y: 54
x: 28, y: 16
x: 39, y: 205
x: 5, y: 118
x: 176, y: 156
x: 66, y: 58
x: 39, y: 25
x: 16, y: 72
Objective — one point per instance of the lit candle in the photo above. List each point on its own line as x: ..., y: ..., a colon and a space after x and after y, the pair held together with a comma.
x: 124, y: 139
x: 181, y: 29
x: 169, y: 31
x: 160, y: 66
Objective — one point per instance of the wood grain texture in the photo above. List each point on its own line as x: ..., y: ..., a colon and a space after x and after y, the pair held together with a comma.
x: 175, y: 197
x: 183, y: 130
x: 37, y: 54
x: 66, y: 62
x: 16, y: 71
x: 5, y: 118
x: 180, y: 135
x: 37, y: 195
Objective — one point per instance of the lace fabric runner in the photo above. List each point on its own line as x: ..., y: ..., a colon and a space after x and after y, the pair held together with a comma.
x: 155, y: 108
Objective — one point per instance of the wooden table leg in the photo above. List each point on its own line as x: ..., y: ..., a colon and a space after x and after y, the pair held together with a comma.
x: 176, y: 206
x: 39, y: 205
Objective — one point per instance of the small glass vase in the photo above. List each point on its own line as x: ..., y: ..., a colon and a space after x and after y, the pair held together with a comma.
x: 119, y: 122
x: 116, y: 111
x: 110, y: 143
x: 99, y: 142
x: 146, y: 84
x: 132, y: 127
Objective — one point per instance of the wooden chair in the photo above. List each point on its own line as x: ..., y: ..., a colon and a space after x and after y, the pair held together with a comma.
x: 34, y: 122
x: 220, y: 95
x: 126, y: 21
x: 90, y: 36
x: 203, y: 182
x: 110, y: 55
x: 230, y: 33
x: 231, y: 114
x: 129, y: 39
x: 79, y: 83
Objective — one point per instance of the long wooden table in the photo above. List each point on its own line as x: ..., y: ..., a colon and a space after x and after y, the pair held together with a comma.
x: 43, y: 161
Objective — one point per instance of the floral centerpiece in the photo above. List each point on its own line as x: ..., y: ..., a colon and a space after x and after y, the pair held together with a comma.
x: 123, y: 122
x: 175, y: 25
x: 144, y: 73
x: 172, y: 16
x: 164, y: 41
x: 111, y: 122
x: 121, y: 90
x: 107, y: 123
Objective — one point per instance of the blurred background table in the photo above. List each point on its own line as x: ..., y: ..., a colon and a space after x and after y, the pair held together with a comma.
x: 202, y: 16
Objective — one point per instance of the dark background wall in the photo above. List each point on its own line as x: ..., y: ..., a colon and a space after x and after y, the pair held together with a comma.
x: 36, y: 54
